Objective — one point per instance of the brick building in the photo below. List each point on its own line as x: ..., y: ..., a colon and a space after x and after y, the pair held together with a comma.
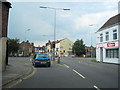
x: 27, y: 48
x: 4, y: 13
x: 90, y: 49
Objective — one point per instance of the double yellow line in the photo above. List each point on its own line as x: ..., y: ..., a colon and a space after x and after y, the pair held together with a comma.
x: 19, y: 81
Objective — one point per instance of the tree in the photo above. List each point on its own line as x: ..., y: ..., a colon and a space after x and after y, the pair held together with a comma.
x: 78, y: 48
x: 13, y: 46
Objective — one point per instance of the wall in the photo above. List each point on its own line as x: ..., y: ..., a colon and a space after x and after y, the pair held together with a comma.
x: 0, y: 45
x: 4, y: 11
x: 64, y: 45
x: 0, y: 36
x: 119, y: 41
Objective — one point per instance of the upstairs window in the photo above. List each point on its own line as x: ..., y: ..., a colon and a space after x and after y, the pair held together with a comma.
x: 101, y: 37
x: 114, y: 34
x: 107, y: 36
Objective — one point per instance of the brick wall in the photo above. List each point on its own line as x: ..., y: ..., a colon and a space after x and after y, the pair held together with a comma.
x: 0, y: 19
x: 27, y: 45
x: 5, y: 11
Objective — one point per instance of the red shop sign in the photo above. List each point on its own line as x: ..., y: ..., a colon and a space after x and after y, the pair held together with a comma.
x: 110, y: 44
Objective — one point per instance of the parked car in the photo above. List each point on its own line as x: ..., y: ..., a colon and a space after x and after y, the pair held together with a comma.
x: 41, y: 59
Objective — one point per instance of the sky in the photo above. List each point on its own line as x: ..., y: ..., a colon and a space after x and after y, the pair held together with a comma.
x: 72, y: 24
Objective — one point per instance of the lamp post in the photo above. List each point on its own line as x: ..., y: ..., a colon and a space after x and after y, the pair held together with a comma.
x: 55, y: 9
x: 25, y: 41
x: 91, y: 38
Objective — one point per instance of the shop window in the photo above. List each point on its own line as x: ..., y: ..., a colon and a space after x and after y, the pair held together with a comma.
x: 112, y: 53
x: 101, y: 37
x: 107, y: 36
x: 114, y: 34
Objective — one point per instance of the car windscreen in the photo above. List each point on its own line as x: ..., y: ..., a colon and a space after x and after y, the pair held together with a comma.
x: 42, y: 56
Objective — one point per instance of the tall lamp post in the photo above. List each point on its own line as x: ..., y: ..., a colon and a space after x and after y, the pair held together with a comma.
x: 25, y: 41
x: 55, y: 9
x: 91, y: 38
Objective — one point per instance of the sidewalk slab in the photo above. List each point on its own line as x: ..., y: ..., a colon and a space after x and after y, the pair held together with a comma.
x: 16, y: 69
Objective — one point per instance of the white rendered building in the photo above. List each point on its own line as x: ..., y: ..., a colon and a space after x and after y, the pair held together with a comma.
x: 108, y: 41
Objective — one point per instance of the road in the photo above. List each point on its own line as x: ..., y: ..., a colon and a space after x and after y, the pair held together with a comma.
x: 73, y: 73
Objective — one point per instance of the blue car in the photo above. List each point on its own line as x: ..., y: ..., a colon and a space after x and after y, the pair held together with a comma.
x: 41, y: 59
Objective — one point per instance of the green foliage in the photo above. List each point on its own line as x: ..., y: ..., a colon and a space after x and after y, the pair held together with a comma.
x: 93, y: 61
x: 78, y: 48
x: 13, y: 46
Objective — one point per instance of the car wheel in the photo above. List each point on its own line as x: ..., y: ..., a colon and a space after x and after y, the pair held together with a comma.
x: 34, y: 65
x: 49, y: 65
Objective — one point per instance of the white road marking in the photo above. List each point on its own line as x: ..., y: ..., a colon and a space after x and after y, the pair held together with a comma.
x: 96, y: 87
x: 78, y: 73
x: 66, y: 66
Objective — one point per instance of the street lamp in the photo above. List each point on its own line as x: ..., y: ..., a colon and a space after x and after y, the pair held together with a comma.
x: 91, y: 37
x: 25, y: 41
x: 54, y: 23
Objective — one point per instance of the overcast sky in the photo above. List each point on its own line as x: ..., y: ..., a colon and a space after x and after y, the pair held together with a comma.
x: 73, y: 24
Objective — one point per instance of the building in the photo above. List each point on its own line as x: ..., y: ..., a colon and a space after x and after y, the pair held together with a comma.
x: 40, y: 49
x: 26, y: 48
x: 4, y: 13
x: 62, y: 48
x: 108, y: 45
x: 90, y: 49
x: 49, y: 47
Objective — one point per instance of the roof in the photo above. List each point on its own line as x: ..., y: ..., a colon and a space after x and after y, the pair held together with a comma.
x: 112, y: 21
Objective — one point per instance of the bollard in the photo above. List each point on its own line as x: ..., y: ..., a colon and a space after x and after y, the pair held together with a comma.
x: 58, y: 59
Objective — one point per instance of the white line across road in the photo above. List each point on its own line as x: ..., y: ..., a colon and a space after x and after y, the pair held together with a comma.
x: 78, y: 73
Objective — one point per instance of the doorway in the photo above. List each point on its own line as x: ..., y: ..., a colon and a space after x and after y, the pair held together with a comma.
x: 101, y: 54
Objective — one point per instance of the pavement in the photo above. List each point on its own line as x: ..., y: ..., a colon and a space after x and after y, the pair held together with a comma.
x: 17, y: 68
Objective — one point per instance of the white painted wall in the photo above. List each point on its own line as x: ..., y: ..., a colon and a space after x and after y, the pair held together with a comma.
x: 104, y: 44
x: 119, y: 42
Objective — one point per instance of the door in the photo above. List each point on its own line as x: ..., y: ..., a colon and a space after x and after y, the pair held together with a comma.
x: 101, y: 54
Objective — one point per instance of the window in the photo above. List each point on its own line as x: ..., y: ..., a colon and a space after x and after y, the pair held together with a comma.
x: 42, y: 56
x: 64, y: 51
x: 107, y: 36
x: 112, y: 53
x: 101, y: 37
x: 114, y: 34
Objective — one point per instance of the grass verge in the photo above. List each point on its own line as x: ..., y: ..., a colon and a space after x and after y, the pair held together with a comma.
x: 93, y: 60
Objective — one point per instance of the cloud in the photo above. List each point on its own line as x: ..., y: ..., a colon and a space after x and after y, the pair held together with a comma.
x: 93, y: 18
x: 63, y: 0
x: 111, y: 4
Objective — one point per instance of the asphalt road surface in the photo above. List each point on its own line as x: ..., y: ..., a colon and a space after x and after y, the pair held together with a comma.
x: 73, y: 73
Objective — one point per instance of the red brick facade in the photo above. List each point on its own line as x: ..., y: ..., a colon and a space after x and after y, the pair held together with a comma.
x: 4, y: 8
